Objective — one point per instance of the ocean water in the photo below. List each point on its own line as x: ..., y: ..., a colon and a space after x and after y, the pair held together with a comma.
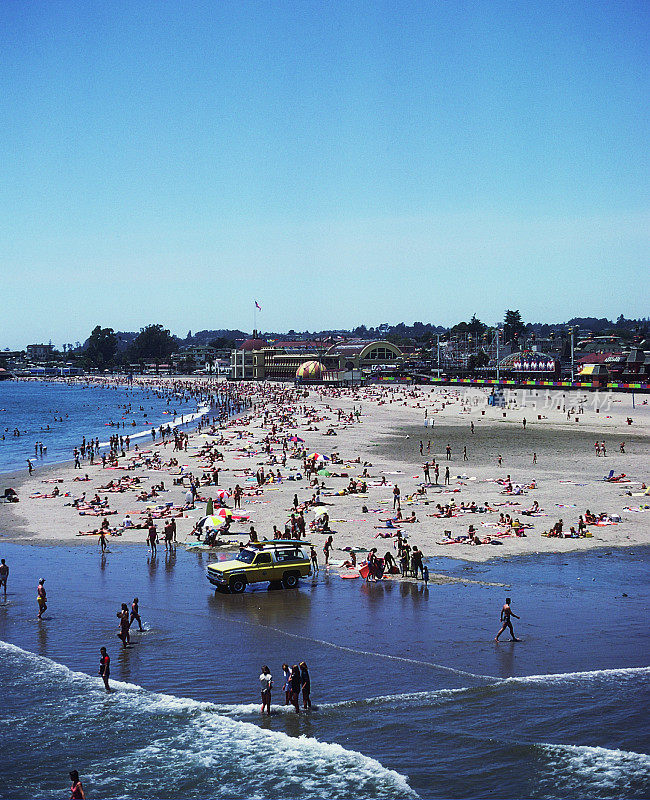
x: 60, y: 415
x: 412, y: 697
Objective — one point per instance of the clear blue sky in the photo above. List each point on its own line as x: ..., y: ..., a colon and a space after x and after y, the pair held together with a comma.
x: 341, y: 162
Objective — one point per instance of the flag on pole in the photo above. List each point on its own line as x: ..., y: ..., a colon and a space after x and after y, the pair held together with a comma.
x: 257, y: 305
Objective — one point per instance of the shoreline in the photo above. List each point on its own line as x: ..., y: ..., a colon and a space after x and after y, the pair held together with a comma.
x: 386, y: 434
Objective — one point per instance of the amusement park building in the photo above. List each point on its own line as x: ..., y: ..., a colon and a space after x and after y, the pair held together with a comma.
x: 279, y: 361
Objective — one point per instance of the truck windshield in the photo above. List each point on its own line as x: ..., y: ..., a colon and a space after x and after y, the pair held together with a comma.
x: 246, y: 556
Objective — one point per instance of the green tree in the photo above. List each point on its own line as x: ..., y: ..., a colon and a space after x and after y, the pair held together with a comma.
x: 513, y: 327
x: 101, y: 348
x: 222, y: 342
x: 480, y: 359
x: 475, y: 326
x: 153, y: 343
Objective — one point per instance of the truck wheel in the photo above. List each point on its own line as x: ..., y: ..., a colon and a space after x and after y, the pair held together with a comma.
x: 290, y: 580
x: 237, y: 585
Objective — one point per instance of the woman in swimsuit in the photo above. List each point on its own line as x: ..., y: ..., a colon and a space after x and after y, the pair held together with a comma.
x: 76, y: 790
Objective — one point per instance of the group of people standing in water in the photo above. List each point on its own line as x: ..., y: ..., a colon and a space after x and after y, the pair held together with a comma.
x: 296, y: 681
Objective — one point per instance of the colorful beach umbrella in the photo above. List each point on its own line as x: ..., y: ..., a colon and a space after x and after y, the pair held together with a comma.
x: 211, y: 522
x: 317, y: 457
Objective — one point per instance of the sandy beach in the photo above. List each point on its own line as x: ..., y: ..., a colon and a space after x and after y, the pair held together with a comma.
x: 386, y: 435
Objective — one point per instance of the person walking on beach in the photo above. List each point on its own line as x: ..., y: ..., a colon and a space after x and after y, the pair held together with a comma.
x: 4, y: 574
x: 465, y: 453
x: 305, y: 685
x: 506, y: 613
x: 534, y: 458
x: 41, y: 598
x: 105, y: 667
x: 314, y: 559
x: 396, y: 497
x: 448, y: 450
x: 327, y: 548
x: 102, y: 539
x: 135, y: 614
x: 447, y: 481
x: 30, y: 466
x: 76, y: 790
x: 266, y: 684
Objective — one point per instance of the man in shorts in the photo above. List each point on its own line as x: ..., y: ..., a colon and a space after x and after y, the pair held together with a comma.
x: 135, y: 614
x: 506, y: 613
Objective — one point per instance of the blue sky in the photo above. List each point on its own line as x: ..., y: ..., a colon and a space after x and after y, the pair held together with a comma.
x: 342, y: 163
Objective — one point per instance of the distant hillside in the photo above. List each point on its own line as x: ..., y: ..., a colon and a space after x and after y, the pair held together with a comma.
x: 203, y: 338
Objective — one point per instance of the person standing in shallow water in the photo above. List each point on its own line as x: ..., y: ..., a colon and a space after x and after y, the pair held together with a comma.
x: 266, y: 684
x: 105, y: 667
x: 506, y: 613
x: 41, y: 598
x: 294, y: 683
x: 305, y: 685
x: 4, y: 574
x: 123, y: 615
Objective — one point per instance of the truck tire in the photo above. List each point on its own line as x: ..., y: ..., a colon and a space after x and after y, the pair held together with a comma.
x: 290, y: 580
x: 237, y: 584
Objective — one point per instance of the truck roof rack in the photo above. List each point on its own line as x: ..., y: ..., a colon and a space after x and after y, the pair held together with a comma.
x: 280, y: 543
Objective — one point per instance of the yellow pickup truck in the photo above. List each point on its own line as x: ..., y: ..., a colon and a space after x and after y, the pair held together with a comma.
x: 282, y: 561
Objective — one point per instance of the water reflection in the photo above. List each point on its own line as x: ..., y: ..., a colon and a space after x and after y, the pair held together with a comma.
x: 152, y: 561
x: 269, y: 607
x: 505, y: 652
x: 124, y: 664
x: 170, y: 560
x: 42, y: 637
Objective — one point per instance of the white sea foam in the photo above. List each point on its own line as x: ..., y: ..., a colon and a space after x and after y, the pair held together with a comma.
x: 184, y: 419
x: 572, y: 768
x: 596, y: 674
x: 226, y: 757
